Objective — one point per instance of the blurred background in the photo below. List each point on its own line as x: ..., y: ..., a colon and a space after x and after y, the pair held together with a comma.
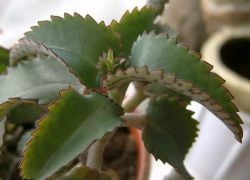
x: 219, y: 29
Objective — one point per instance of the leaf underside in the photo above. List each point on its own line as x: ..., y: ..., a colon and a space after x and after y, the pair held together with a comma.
x: 78, y: 41
x: 169, y: 132
x: 85, y: 173
x: 158, y: 89
x: 158, y: 59
x: 72, y: 124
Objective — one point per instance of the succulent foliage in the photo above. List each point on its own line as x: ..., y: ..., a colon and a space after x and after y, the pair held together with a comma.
x: 71, y: 74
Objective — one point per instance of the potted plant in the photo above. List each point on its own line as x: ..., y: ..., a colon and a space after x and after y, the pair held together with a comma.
x: 72, y: 74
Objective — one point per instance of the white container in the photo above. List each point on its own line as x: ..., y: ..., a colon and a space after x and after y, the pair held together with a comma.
x: 216, y: 154
x: 237, y: 84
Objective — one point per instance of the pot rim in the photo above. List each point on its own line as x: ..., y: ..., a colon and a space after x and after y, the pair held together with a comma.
x: 143, y: 163
x: 212, y: 55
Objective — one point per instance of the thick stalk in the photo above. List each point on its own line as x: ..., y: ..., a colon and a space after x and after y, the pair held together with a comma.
x: 96, y: 150
x: 135, y: 120
x: 130, y: 104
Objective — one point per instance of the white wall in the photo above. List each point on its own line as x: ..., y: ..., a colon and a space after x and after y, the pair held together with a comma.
x: 16, y: 16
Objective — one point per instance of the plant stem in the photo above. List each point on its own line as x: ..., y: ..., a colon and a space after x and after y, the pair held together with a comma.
x: 136, y: 120
x: 96, y: 150
x: 134, y: 100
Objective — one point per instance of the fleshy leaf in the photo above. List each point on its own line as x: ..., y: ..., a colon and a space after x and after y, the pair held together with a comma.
x: 4, y: 59
x: 26, y: 113
x: 132, y: 25
x: 159, y: 79
x: 72, y: 124
x: 39, y: 79
x: 85, y: 173
x: 11, y: 104
x: 158, y: 52
x: 169, y: 132
x: 79, y: 41
x: 158, y: 89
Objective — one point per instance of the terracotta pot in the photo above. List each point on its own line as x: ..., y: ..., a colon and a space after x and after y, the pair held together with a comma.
x: 219, y: 13
x: 143, y: 164
x: 229, y: 52
x: 125, y: 156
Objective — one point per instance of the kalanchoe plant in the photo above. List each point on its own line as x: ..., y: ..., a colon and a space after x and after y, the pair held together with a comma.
x: 72, y: 74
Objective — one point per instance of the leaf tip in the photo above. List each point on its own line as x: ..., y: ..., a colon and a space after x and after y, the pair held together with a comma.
x: 67, y: 16
x: 55, y: 18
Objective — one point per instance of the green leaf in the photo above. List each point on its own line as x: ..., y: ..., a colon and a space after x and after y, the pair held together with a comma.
x: 169, y: 132
x: 78, y: 41
x: 132, y: 25
x: 158, y: 89
x: 4, y: 59
x: 164, y: 82
x: 9, y: 105
x: 72, y: 124
x: 85, y: 173
x: 26, y: 113
x: 40, y: 79
x: 158, y: 52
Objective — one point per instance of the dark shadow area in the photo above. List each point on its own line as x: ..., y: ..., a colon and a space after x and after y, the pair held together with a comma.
x: 235, y: 54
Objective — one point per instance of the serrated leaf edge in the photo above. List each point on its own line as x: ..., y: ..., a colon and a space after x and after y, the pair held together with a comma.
x: 27, y: 46
x: 187, y: 88
x: 38, y: 122
x: 190, y: 112
x: 155, y: 154
x: 127, y: 13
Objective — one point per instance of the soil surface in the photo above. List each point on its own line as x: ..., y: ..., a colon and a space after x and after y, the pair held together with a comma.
x: 120, y: 156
